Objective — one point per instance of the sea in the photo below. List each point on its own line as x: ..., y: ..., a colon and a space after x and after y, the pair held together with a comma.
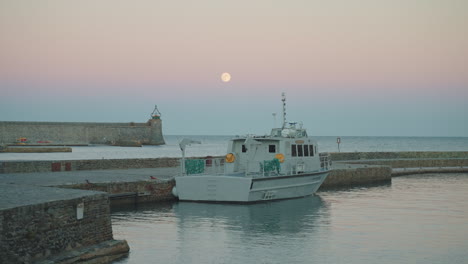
x: 412, y: 219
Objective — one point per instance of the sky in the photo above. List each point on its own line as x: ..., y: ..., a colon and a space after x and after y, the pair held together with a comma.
x: 348, y: 67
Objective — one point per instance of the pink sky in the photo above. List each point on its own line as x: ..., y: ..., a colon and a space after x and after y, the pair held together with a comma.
x: 167, y: 49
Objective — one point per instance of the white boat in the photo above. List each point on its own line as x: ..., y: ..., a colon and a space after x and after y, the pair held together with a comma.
x: 285, y: 164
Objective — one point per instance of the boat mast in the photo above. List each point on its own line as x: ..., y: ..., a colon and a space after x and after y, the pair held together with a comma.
x: 283, y: 98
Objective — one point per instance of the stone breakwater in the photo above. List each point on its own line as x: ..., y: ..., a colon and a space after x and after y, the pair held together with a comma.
x: 35, y: 149
x: 79, y: 165
x: 351, y: 156
x: 348, y: 175
x: 406, y: 163
x: 80, y: 133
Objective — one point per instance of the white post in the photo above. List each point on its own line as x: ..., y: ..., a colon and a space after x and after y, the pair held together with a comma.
x: 183, y: 162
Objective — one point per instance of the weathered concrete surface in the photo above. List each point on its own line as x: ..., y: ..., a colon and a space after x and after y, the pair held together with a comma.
x: 75, y: 133
x: 133, y: 185
x: 92, y: 177
x: 15, y: 195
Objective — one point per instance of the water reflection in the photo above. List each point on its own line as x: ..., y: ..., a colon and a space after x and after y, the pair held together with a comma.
x: 255, y: 233
x: 280, y: 217
x: 187, y: 232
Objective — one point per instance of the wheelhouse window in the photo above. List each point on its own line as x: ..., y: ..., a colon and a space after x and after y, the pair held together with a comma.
x: 299, y: 151
x: 272, y: 148
x: 244, y: 149
x: 303, y: 150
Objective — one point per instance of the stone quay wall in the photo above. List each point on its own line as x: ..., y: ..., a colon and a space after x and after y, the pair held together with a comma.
x: 348, y: 156
x: 132, y: 192
x: 79, y: 133
x: 33, y: 232
x: 393, y: 159
x: 416, y: 163
x: 76, y: 165
x: 357, y: 176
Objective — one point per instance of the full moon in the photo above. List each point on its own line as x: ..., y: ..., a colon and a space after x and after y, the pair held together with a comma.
x: 225, y: 77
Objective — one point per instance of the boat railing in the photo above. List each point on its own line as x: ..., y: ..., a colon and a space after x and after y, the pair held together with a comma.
x: 212, y: 166
x: 269, y: 168
x: 325, y: 161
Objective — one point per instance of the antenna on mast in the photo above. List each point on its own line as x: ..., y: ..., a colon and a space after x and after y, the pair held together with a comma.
x: 283, y: 98
x: 155, y: 114
x: 274, y: 119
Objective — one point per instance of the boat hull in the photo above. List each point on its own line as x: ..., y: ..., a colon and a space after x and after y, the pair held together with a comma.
x: 224, y: 188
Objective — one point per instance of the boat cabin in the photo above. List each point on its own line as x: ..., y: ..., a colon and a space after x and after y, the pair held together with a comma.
x: 285, y: 151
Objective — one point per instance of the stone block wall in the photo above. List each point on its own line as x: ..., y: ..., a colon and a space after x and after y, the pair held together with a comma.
x: 393, y: 159
x: 32, y: 232
x: 335, y: 156
x: 76, y: 133
x: 137, y: 192
x: 416, y: 163
x: 356, y: 176
x: 101, y: 164
x: 124, y: 163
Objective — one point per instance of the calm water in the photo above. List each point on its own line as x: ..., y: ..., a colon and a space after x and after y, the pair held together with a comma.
x: 217, y: 145
x: 414, y: 219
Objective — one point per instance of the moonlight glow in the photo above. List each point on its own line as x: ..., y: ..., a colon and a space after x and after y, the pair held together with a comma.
x: 225, y: 77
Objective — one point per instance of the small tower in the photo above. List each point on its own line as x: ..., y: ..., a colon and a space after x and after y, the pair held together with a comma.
x: 156, y: 114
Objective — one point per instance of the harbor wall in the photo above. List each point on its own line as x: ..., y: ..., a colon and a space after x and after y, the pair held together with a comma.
x: 46, y: 149
x: 44, y: 228
x: 348, y: 156
x: 416, y: 163
x: 392, y: 159
x: 348, y: 176
x: 79, y: 133
x: 131, y: 192
x: 76, y: 165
